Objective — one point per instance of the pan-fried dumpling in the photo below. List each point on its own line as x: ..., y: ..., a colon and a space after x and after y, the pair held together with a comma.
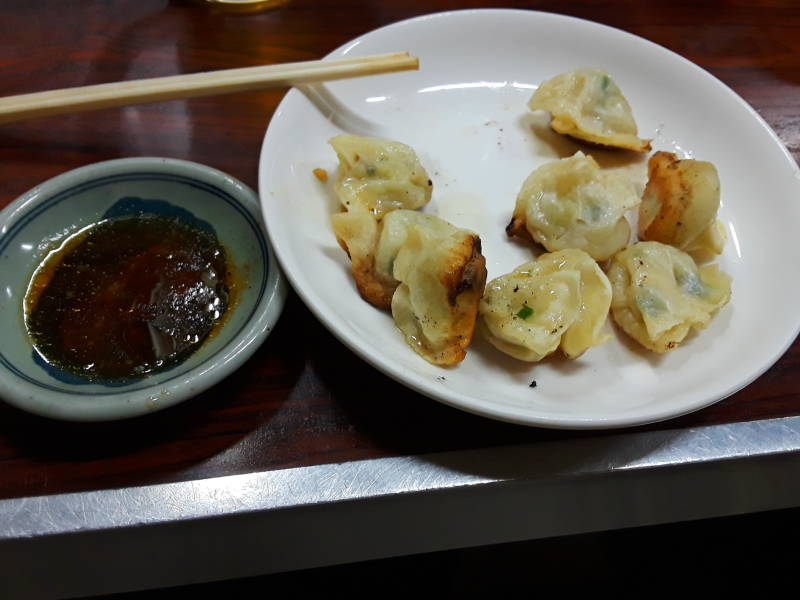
x: 375, y: 176
x: 430, y: 273
x: 709, y: 243
x: 559, y: 300
x: 680, y: 203
x: 379, y: 176
x: 660, y: 294
x: 572, y: 203
x: 588, y: 105
x: 358, y: 233
x: 441, y: 274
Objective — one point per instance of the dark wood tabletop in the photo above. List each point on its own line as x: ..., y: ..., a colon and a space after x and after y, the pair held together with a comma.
x: 303, y: 398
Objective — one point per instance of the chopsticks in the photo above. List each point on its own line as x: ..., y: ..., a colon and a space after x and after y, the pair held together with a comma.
x: 107, y: 95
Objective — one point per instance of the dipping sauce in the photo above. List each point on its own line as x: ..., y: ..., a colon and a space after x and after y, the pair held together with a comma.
x: 125, y: 297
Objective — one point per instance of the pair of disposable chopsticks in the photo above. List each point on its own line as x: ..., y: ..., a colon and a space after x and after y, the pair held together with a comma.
x: 107, y: 95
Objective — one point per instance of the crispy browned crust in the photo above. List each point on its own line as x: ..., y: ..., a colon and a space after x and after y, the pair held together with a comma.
x: 516, y: 227
x: 465, y: 281
x: 642, y: 146
x: 568, y: 127
x: 371, y: 288
x: 343, y: 246
x: 664, y: 181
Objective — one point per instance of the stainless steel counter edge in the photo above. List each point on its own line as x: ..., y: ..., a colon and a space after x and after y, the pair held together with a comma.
x: 108, y: 541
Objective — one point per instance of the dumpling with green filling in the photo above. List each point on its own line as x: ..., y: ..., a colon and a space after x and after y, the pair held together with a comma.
x: 573, y: 203
x: 588, y: 105
x: 378, y: 176
x: 660, y: 294
x: 560, y: 300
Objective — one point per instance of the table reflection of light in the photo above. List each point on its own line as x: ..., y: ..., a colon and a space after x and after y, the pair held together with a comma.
x: 9, y: 293
x: 377, y: 98
x: 26, y: 247
x: 176, y: 112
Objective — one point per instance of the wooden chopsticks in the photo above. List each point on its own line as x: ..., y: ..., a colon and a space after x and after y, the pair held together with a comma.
x: 107, y: 95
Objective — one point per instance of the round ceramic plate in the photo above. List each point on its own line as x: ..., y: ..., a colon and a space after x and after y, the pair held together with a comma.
x: 465, y: 114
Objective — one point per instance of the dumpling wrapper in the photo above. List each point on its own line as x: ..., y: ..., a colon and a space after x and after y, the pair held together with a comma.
x: 709, y: 243
x: 680, y: 203
x: 559, y: 300
x: 430, y: 273
x: 378, y: 176
x: 441, y: 274
x: 358, y: 234
x: 375, y: 176
x: 588, y: 105
x: 572, y: 203
x: 659, y: 294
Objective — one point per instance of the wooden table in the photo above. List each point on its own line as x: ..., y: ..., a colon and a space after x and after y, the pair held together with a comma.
x: 331, y: 467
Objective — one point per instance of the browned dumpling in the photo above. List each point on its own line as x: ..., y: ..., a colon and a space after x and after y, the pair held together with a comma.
x: 375, y: 177
x: 680, y: 203
x: 441, y: 275
x: 358, y: 233
x: 430, y: 273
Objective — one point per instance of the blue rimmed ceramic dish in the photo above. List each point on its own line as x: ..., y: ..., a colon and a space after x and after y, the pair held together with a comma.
x: 34, y: 223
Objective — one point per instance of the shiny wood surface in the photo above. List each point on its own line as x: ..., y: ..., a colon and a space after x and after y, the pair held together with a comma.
x: 303, y: 398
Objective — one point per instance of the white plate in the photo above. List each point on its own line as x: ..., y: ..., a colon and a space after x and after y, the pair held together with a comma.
x: 464, y: 112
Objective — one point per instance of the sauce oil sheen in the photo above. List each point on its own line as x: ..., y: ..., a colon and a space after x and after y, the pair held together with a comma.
x: 126, y: 297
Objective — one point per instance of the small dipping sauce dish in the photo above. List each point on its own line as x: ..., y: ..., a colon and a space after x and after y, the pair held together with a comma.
x: 131, y: 285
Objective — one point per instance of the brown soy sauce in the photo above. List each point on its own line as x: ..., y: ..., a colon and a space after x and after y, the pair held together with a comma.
x: 126, y: 297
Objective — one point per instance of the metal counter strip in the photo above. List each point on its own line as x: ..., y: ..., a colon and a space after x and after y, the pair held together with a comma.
x: 327, y: 514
